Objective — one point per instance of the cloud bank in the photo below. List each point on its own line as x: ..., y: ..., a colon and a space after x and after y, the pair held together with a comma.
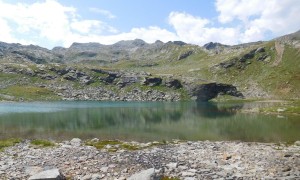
x: 49, y: 23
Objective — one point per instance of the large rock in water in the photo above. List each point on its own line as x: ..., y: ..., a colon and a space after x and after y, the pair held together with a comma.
x: 52, y: 174
x: 205, y: 92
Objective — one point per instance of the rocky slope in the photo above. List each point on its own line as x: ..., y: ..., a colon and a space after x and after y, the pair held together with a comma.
x: 129, y: 70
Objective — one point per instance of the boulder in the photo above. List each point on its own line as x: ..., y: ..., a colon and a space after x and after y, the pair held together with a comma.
x: 145, y: 175
x: 75, y: 142
x: 262, y: 57
x: 70, y: 77
x: 247, y: 56
x: 127, y: 80
x: 52, y: 174
x: 86, y: 80
x: 110, y: 77
x: 260, y: 50
x: 173, y: 83
x: 152, y: 81
x: 185, y: 55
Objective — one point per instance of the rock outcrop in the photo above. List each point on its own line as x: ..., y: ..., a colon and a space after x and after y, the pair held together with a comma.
x: 206, y: 92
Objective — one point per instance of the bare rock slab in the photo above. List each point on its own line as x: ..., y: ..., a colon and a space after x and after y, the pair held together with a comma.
x: 145, y: 175
x: 52, y: 174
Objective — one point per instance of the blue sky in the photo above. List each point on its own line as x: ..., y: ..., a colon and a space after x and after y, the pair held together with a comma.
x: 50, y: 23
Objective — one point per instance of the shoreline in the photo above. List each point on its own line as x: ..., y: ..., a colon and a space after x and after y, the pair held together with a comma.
x: 75, y: 159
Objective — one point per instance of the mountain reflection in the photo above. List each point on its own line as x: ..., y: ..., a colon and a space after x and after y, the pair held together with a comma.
x: 214, y: 110
x: 145, y: 121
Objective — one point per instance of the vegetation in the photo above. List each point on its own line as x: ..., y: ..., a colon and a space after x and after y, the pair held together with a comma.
x: 114, y: 145
x: 8, y: 142
x: 42, y: 143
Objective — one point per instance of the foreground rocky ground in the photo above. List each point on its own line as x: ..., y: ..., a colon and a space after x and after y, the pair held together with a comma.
x: 180, y: 160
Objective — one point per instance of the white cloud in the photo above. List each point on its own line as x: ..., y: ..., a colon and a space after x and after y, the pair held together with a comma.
x: 257, y: 18
x: 46, y: 21
x: 106, y: 13
x: 86, y: 26
x: 197, y: 30
x: 49, y: 23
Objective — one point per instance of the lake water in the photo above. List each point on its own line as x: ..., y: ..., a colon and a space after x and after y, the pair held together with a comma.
x: 144, y: 121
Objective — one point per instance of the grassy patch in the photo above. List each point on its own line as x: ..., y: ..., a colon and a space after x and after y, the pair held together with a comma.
x: 114, y: 145
x: 287, y: 107
x: 8, y: 143
x: 102, y: 144
x: 29, y: 93
x: 42, y: 143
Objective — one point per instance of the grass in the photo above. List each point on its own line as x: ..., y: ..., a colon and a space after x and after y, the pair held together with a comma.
x: 115, y: 145
x: 42, y: 143
x: 8, y: 143
x: 29, y: 92
x: 281, y: 82
x: 288, y: 107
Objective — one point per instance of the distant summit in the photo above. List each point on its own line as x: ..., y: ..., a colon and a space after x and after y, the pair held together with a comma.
x: 214, y: 45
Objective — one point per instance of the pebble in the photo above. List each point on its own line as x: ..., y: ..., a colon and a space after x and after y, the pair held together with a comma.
x: 192, y: 160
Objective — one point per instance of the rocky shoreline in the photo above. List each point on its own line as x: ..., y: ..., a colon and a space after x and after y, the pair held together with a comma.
x: 172, y: 160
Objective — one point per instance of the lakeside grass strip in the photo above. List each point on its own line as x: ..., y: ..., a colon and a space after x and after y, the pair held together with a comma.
x: 8, y: 142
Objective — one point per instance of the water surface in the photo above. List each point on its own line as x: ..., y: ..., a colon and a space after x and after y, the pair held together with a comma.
x: 144, y: 121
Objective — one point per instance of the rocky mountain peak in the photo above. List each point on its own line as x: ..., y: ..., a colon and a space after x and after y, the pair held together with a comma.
x: 213, y: 45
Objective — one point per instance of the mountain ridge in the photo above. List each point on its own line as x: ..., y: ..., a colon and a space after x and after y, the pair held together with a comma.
x: 263, y: 69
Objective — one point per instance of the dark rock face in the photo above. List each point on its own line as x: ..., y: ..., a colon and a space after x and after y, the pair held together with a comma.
x: 173, y: 83
x: 152, y: 81
x: 109, y: 78
x: 185, y: 55
x: 213, y: 45
x: 205, y: 92
x: 127, y: 80
x: 249, y: 55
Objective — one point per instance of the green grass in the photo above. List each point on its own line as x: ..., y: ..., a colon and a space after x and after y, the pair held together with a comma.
x: 29, y: 92
x: 42, y: 143
x: 8, y: 143
x: 116, y: 145
x: 285, y: 108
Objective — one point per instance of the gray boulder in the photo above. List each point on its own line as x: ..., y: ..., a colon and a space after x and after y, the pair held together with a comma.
x: 145, y: 175
x: 173, y: 83
x: 152, y: 81
x: 52, y: 174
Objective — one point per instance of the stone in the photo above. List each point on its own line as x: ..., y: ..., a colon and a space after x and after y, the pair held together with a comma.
x: 173, y: 83
x: 152, y: 81
x: 52, y: 174
x: 260, y: 50
x: 297, y: 143
x: 185, y: 55
x: 187, y: 174
x: 145, y: 175
x: 75, y: 142
x: 104, y: 169
x: 32, y: 170
x: 281, y: 110
x: 171, y: 165
x: 189, y: 178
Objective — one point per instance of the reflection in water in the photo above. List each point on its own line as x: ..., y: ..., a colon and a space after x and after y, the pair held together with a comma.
x: 215, y: 110
x: 144, y: 121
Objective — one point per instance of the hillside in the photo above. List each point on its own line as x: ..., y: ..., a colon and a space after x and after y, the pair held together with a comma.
x: 136, y: 70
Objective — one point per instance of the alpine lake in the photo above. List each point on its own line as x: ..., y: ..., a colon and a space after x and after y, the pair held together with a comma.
x: 146, y: 121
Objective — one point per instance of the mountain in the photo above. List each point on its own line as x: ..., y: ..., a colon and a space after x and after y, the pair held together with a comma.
x: 263, y: 69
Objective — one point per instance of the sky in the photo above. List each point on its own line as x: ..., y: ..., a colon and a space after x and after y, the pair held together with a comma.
x: 50, y: 23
